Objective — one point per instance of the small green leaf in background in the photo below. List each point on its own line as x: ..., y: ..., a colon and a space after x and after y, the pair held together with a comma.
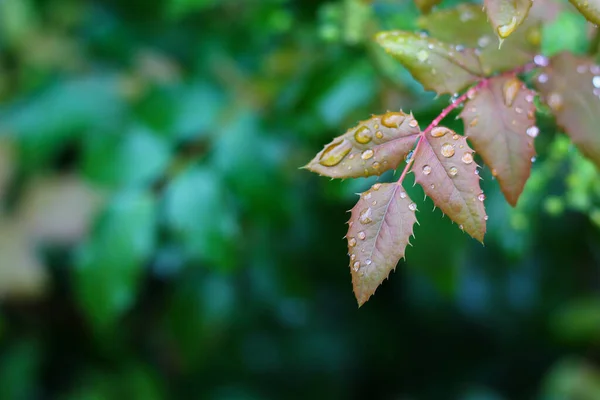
x: 109, y: 266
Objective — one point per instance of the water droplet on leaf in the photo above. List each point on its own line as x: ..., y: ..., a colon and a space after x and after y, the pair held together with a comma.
x: 510, y: 90
x: 367, y: 154
x: 365, y: 216
x: 447, y: 150
x: 533, y: 131
x: 426, y: 169
x: 402, y: 195
x: 413, y: 123
x: 412, y: 206
x: 362, y: 235
x: 541, y: 60
x: 422, y: 55
x: 505, y: 30
x: 438, y: 131
x: 351, y: 242
x: 467, y: 158
x: 555, y: 101
x: 543, y: 78
x: 453, y: 171
x: 335, y: 152
x: 356, y: 266
x: 368, y: 262
x: 392, y: 119
x: 481, y: 197
x: 363, y: 135
x: 376, y: 186
x: 379, y: 135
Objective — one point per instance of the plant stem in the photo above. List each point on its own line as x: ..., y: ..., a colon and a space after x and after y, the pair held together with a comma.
x: 455, y: 104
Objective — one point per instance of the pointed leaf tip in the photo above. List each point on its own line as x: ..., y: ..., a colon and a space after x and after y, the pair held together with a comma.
x: 370, y: 148
x: 383, y: 222
x: 445, y: 169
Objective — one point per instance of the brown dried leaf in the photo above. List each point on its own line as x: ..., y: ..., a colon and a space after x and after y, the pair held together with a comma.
x: 437, y: 65
x: 570, y: 85
x: 507, y: 15
x: 371, y: 148
x: 445, y: 168
x: 500, y: 122
x: 380, y: 227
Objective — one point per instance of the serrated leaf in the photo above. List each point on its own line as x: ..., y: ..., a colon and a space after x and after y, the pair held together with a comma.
x: 589, y: 8
x: 380, y: 227
x: 507, y: 15
x: 370, y: 148
x: 467, y: 25
x: 445, y: 168
x: 500, y: 121
x: 426, y: 5
x: 436, y: 65
x: 570, y: 85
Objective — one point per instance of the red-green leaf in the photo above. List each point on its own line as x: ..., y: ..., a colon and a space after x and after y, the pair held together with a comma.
x: 507, y: 15
x: 500, y: 122
x: 570, y: 85
x: 437, y: 65
x: 589, y: 8
x: 374, y: 146
x: 426, y: 5
x: 380, y: 228
x: 444, y: 166
x: 467, y: 25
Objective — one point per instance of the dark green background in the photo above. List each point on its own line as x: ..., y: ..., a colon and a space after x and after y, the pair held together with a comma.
x: 159, y: 241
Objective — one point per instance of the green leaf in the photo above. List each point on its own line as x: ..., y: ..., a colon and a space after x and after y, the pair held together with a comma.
x: 372, y: 147
x: 199, y: 212
x: 507, y: 15
x: 445, y: 168
x: 589, y: 8
x: 379, y: 231
x: 109, y: 266
x: 500, y: 122
x: 570, y: 85
x: 437, y: 65
x: 467, y: 25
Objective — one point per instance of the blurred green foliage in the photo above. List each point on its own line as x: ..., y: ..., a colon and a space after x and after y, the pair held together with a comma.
x: 157, y: 239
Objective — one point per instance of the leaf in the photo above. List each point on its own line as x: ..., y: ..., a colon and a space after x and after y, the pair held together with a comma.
x: 370, y: 148
x: 500, y: 122
x: 380, y: 227
x: 426, y: 5
x: 445, y: 168
x: 570, y: 85
x: 589, y: 8
x: 437, y: 65
x: 507, y: 15
x: 467, y: 25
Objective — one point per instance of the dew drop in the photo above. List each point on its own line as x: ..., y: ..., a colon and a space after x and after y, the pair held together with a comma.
x: 413, y: 123
x: 518, y: 110
x: 543, y: 78
x: 505, y: 30
x: 335, y: 152
x: 462, y: 228
x: 367, y: 154
x: 362, y: 235
x: 367, y: 195
x: 374, y: 202
x: 412, y: 206
x: 439, y: 131
x: 476, y: 172
x: 467, y: 158
x: 486, y: 218
x: 596, y: 81
x: 473, y: 122
x: 533, y: 159
x: 351, y: 242
x: 471, y: 93
x: 455, y: 136
x: 376, y: 166
x: 426, y: 169
x: 555, y: 101
x: 447, y: 150
x: 368, y: 262
x: 422, y: 55
x: 402, y: 195
x: 376, y: 186
x: 379, y: 135
x: 484, y: 41
x: 392, y: 119
x: 432, y: 186
x: 453, y: 171
x: 356, y: 266
x: 409, y: 156
x: 541, y: 60
x: 363, y: 135
x: 533, y: 131
x: 353, y: 257
x: 365, y: 216
x: 481, y: 197
x: 529, y: 98
x: 510, y: 89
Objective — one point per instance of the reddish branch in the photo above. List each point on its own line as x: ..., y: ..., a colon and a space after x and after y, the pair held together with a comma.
x: 453, y: 105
